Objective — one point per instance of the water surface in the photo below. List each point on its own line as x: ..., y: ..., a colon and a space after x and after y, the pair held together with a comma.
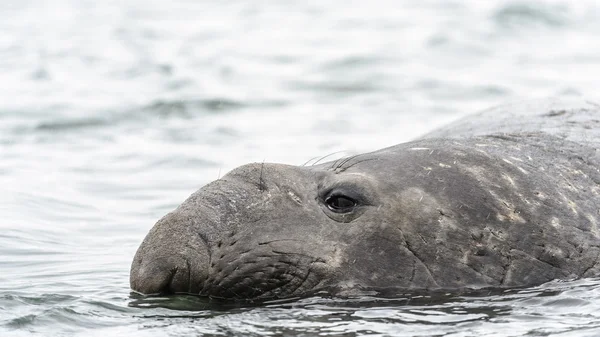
x: 113, y: 112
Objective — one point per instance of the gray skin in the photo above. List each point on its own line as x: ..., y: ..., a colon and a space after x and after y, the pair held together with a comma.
x: 508, y: 197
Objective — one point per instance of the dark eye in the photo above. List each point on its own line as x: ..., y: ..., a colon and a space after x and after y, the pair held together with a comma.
x: 340, y: 203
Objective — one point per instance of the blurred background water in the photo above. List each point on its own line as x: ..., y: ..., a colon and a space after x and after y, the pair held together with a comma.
x: 113, y: 112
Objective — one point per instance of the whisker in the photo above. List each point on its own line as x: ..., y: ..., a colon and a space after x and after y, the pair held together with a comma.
x: 331, y: 154
x: 335, y: 165
x: 313, y: 158
x: 357, y: 162
x: 346, y: 161
x: 261, y: 183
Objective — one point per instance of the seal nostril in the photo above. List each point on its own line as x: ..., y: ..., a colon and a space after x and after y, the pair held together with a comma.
x: 151, y: 277
x: 169, y: 287
x: 178, y: 281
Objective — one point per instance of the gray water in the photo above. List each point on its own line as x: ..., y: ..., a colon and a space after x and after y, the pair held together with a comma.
x: 113, y: 112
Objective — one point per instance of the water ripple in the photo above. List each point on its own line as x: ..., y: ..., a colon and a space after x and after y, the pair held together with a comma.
x: 113, y: 112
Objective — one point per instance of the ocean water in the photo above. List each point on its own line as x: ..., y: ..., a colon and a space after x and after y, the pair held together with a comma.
x: 113, y: 112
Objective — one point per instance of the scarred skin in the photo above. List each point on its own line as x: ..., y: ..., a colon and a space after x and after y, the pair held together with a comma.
x: 508, y: 197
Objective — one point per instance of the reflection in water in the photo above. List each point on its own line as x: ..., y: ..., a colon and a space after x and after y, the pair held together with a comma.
x: 474, y: 313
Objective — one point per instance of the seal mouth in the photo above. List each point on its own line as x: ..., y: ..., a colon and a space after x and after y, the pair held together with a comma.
x: 282, y: 277
x: 265, y: 271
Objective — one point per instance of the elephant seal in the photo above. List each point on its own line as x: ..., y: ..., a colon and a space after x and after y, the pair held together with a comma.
x: 508, y: 197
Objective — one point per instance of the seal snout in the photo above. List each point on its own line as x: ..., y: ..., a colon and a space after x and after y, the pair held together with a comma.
x: 161, y: 276
x: 171, y: 260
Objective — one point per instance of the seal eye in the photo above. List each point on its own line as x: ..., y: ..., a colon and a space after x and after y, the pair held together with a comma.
x: 340, y: 203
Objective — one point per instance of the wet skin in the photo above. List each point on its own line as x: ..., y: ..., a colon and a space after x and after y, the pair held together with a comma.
x: 501, y: 199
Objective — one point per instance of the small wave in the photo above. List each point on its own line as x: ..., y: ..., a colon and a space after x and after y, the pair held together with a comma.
x: 21, y: 322
x: 153, y: 111
x: 65, y: 125
x: 43, y: 299
x: 55, y: 312
x: 528, y: 14
x: 345, y: 63
x: 331, y: 87
x: 191, y: 108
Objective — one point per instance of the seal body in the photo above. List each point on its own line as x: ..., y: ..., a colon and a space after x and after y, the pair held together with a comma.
x: 509, y: 197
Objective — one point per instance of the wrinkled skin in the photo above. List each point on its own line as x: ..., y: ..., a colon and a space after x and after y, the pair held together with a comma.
x: 462, y: 208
